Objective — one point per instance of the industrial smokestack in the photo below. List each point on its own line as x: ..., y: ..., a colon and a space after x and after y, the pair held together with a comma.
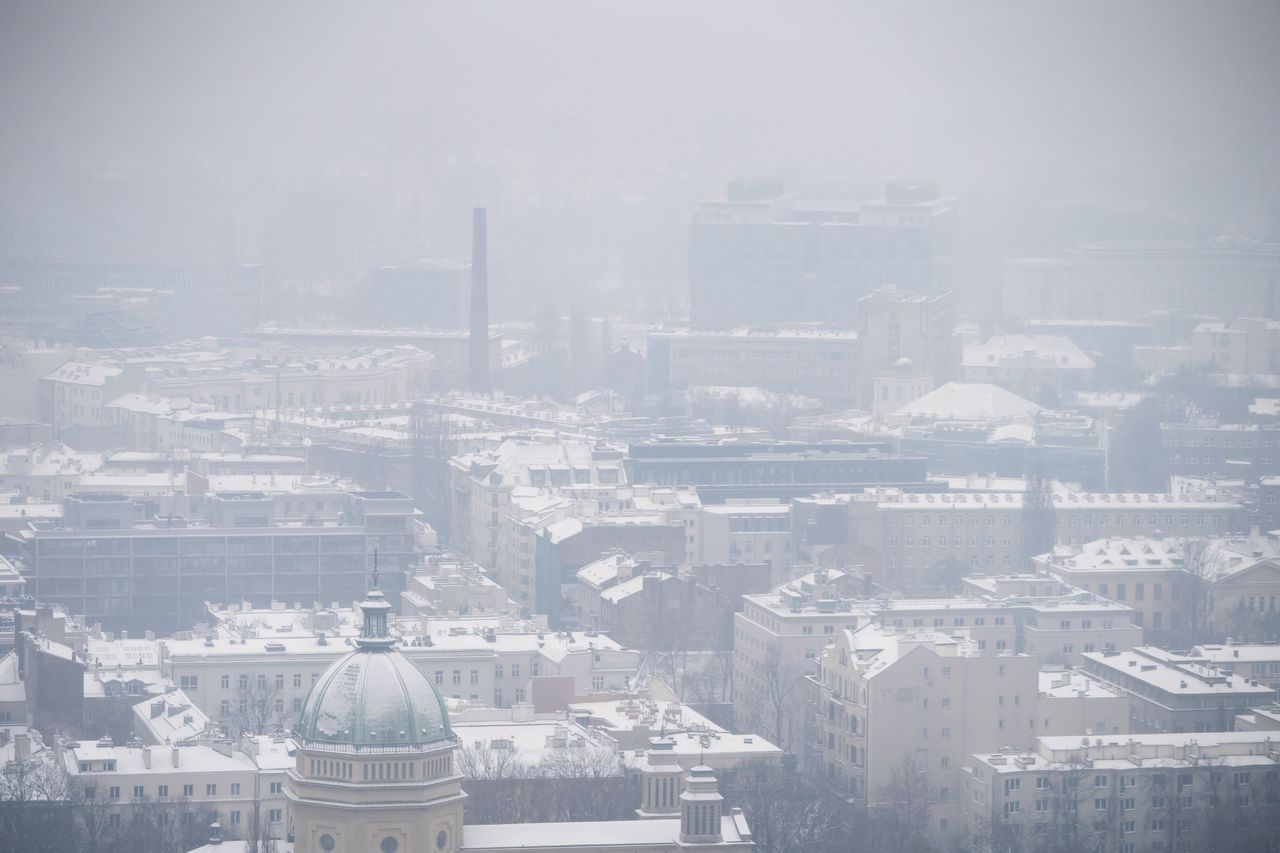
x: 478, y: 364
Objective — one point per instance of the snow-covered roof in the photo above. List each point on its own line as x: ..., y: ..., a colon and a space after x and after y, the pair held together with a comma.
x: 969, y: 401
x: 1038, y: 351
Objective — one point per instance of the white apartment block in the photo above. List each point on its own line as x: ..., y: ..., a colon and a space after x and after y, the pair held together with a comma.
x: 924, y: 699
x: 1145, y: 793
x: 469, y: 660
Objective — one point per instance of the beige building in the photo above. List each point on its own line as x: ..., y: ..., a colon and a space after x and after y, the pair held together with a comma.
x: 923, y: 700
x: 1145, y: 574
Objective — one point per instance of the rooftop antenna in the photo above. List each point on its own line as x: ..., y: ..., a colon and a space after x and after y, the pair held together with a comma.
x: 375, y: 568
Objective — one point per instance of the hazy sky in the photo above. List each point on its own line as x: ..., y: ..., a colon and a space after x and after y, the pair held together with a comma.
x: 326, y: 138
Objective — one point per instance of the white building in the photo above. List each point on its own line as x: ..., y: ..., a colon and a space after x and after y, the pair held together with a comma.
x: 1143, y: 792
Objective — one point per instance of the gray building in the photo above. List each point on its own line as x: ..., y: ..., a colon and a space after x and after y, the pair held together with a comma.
x: 112, y: 563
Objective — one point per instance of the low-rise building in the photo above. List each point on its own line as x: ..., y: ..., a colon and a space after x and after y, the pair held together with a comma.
x: 232, y: 782
x: 1169, y: 692
x: 811, y: 362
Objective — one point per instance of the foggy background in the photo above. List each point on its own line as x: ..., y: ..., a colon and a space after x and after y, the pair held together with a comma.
x: 325, y: 139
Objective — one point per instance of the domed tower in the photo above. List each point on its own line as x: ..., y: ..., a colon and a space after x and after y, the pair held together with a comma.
x: 375, y: 766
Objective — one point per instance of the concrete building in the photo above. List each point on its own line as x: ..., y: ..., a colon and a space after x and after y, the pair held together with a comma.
x: 117, y: 563
x: 1208, y: 447
x: 1144, y: 792
x: 817, y: 363
x: 1128, y: 281
x: 72, y: 399
x: 734, y: 468
x: 759, y: 257
x: 924, y: 698
x: 1169, y: 692
x: 896, y: 324
x: 1258, y: 662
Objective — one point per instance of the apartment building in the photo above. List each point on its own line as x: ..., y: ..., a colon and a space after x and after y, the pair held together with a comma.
x: 920, y: 699
x: 1169, y: 692
x: 1142, y: 793
x: 778, y: 638
x: 748, y: 531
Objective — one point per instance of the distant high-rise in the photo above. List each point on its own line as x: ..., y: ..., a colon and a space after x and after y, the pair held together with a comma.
x: 760, y: 257
x: 479, y: 355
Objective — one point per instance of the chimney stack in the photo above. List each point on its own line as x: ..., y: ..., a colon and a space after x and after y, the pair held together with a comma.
x: 478, y: 361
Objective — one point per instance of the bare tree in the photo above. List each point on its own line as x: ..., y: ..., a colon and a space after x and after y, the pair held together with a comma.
x: 1195, y: 594
x: 792, y: 812
x: 900, y: 822
x: 1038, y: 522
x: 258, y: 706
x: 35, y: 807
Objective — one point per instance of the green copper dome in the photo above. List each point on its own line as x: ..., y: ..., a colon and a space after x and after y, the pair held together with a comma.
x: 374, y: 696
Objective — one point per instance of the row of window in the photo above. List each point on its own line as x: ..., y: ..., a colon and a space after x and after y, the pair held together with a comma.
x: 162, y: 791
